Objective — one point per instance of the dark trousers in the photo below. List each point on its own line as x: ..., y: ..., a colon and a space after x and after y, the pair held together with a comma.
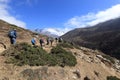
x: 41, y: 44
x: 13, y: 40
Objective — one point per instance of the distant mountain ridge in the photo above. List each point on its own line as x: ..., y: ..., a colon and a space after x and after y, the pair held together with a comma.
x: 103, y: 36
x: 47, y: 32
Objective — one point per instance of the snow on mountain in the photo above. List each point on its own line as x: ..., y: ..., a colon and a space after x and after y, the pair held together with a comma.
x: 52, y: 32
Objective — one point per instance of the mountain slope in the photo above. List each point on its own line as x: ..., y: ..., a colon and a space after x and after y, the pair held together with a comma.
x: 103, y: 36
x: 24, y: 35
x: 91, y: 64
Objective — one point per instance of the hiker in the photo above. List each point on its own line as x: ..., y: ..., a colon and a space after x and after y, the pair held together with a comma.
x: 56, y: 39
x: 60, y: 39
x: 51, y: 41
x: 12, y: 35
x: 47, y: 41
x: 33, y: 41
x: 41, y: 42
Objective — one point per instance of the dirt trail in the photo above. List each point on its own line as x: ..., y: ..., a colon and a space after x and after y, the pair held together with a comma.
x: 49, y: 47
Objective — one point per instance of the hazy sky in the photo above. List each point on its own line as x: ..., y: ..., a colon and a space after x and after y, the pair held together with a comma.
x: 58, y: 15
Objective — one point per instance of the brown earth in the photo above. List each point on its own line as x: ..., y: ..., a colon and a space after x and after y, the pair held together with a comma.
x: 89, y: 62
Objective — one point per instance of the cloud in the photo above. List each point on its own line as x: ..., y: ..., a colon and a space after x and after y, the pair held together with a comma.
x: 93, y: 18
x: 6, y: 16
x: 87, y: 20
x: 4, y: 1
x: 56, y: 31
x: 31, y: 2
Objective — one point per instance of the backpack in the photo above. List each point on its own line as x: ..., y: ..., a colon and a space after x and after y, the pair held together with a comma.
x: 41, y: 41
x: 60, y: 39
x: 33, y: 41
x: 51, y: 40
x: 11, y: 34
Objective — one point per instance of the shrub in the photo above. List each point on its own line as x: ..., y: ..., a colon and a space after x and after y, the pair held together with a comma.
x: 112, y: 78
x: 66, y: 45
x: 25, y: 54
x: 69, y: 45
x: 63, y: 57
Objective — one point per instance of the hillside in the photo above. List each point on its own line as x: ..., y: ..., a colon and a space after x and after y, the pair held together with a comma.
x: 91, y: 65
x: 103, y: 36
x: 62, y: 61
x: 23, y: 34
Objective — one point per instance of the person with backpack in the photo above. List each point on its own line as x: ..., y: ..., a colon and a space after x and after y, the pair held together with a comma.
x: 33, y: 41
x: 60, y: 39
x: 56, y: 39
x: 48, y: 40
x: 51, y: 41
x: 41, y: 42
x: 12, y: 35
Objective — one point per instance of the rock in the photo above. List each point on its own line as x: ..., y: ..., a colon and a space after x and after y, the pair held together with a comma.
x: 61, y: 72
x: 99, y: 56
x: 5, y: 78
x: 117, y: 65
x: 77, y: 73
x: 28, y: 73
x: 104, y: 60
x: 36, y: 74
x: 96, y: 73
x: 86, y: 78
x: 87, y: 58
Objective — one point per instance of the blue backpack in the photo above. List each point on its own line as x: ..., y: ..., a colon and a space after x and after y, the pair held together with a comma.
x: 33, y: 41
x: 11, y: 34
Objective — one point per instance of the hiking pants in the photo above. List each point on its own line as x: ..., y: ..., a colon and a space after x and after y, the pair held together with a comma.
x: 41, y: 44
x: 13, y: 40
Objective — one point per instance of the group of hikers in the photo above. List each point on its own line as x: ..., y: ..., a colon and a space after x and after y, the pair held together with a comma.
x: 49, y: 41
x: 41, y: 41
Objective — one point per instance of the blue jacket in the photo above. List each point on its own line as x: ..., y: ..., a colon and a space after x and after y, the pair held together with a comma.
x: 33, y: 41
x: 13, y: 34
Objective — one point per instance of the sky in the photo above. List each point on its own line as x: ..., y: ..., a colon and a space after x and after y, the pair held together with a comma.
x: 58, y: 16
